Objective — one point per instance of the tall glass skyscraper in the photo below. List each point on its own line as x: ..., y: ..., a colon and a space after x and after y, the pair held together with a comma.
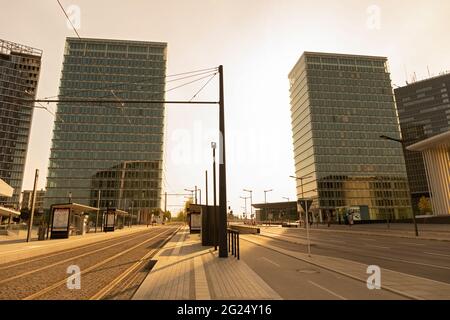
x: 340, y: 105
x: 19, y: 76
x: 109, y: 151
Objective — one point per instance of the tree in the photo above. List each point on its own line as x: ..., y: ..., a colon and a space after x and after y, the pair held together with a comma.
x: 167, y: 215
x: 425, y: 205
x: 181, y: 216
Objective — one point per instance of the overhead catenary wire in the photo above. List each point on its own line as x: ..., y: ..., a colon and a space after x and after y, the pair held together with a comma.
x: 200, y: 90
x: 88, y: 100
x: 118, y: 85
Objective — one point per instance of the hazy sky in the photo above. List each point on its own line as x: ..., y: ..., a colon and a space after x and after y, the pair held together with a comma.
x: 258, y: 42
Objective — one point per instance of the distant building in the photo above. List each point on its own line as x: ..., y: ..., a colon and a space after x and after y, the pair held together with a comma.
x: 340, y: 105
x: 95, y: 145
x: 120, y: 185
x: 424, y: 111
x: 276, y: 212
x: 436, y: 153
x: 19, y: 76
x: 27, y: 197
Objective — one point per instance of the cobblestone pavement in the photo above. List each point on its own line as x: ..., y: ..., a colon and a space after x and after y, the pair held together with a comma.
x: 101, y: 265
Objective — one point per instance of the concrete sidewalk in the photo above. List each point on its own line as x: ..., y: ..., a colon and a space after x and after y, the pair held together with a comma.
x: 186, y: 271
x: 21, y: 250
x: 430, y: 232
x: 409, y: 286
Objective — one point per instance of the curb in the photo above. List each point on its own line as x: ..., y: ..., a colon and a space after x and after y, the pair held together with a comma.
x: 368, y: 233
x: 312, y: 244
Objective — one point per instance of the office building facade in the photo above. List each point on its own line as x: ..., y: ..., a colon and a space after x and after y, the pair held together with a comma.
x: 19, y: 76
x: 424, y: 112
x: 109, y: 152
x: 340, y: 106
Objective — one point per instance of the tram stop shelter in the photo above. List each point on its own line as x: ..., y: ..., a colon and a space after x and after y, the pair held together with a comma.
x: 112, y: 219
x: 9, y: 213
x: 69, y: 219
x: 7, y: 191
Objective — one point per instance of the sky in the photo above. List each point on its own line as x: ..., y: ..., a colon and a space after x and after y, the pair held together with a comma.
x: 258, y: 42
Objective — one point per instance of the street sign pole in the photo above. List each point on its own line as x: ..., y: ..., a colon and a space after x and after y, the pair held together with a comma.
x: 307, y: 228
x: 304, y: 205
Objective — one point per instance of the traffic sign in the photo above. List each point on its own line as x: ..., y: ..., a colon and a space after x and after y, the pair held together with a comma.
x: 305, y: 203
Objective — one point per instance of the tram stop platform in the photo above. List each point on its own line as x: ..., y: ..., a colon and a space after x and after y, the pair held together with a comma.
x: 185, y: 270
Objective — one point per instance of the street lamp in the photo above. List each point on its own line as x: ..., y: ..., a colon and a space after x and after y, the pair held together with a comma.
x: 251, y: 201
x: 265, y: 192
x: 301, y: 181
x: 245, y: 201
x: 70, y: 197
x: 192, y: 193
x: 404, y: 148
x: 286, y: 198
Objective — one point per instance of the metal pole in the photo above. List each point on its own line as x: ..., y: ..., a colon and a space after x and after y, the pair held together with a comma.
x: 307, y: 228
x: 98, y: 211
x: 165, y: 202
x: 215, y: 218
x: 251, y: 204
x: 410, y: 197
x: 206, y: 187
x: 33, y: 201
x: 303, y: 197
x: 132, y: 211
x: 222, y: 172
x: 195, y: 194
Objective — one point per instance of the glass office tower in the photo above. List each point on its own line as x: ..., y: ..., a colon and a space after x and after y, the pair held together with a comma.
x: 424, y: 111
x: 19, y: 76
x: 340, y: 105
x: 109, y: 152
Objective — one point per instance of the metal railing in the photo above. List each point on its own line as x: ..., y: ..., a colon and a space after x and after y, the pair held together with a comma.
x: 233, y: 242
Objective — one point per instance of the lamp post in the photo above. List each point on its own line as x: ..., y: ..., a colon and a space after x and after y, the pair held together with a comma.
x: 286, y: 198
x: 70, y: 197
x: 251, y: 201
x: 265, y: 199
x: 132, y: 212
x: 410, y: 197
x: 245, y: 204
x: 265, y: 192
x: 98, y: 209
x: 192, y: 194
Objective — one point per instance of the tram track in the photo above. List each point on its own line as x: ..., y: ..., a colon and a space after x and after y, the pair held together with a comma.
x: 101, y: 269
x: 27, y: 261
x: 118, y: 242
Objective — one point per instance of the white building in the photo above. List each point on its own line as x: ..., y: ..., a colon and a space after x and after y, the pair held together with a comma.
x: 436, y: 156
